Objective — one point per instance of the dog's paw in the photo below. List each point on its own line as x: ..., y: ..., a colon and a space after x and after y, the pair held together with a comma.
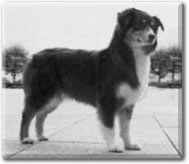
x: 116, y: 149
x: 132, y: 147
x: 42, y: 138
x: 27, y: 141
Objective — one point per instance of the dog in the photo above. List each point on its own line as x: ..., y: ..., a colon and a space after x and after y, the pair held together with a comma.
x: 112, y: 80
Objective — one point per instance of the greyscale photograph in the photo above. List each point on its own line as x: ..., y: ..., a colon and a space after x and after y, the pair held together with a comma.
x: 92, y: 80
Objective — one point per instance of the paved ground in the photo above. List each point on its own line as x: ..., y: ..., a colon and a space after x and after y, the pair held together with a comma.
x: 74, y: 133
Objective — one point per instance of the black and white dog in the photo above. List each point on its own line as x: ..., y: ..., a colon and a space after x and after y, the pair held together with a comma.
x: 112, y: 80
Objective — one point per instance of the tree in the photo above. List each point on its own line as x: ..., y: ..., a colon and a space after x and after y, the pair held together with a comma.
x: 175, y: 55
x: 159, y: 64
x: 165, y: 61
x: 14, y: 59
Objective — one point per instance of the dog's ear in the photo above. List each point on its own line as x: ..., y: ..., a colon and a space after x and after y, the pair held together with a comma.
x: 125, y: 18
x: 158, y: 22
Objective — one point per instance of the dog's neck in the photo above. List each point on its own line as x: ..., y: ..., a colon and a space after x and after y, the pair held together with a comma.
x: 122, y: 56
x: 120, y: 50
x: 134, y: 59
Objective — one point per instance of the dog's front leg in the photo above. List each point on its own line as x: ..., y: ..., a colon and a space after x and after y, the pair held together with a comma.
x: 109, y: 137
x: 124, y: 119
x: 108, y: 130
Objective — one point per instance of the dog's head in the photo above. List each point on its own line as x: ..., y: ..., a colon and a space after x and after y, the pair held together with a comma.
x: 138, y: 29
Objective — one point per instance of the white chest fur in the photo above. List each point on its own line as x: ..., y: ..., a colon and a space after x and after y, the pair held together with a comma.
x: 142, y: 69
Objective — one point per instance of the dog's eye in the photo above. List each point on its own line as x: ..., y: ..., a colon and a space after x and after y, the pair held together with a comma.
x: 153, y: 25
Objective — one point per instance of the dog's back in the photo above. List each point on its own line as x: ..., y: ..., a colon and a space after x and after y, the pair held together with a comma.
x: 55, y: 71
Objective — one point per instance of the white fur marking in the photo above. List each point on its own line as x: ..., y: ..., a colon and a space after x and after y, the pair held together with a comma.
x: 124, y: 127
x: 150, y: 31
x: 27, y: 140
x: 109, y: 136
x: 143, y: 69
x: 125, y: 131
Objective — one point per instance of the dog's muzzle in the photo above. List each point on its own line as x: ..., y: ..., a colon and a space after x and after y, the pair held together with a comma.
x: 149, y: 48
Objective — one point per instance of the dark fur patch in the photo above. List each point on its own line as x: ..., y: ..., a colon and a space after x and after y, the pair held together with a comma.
x: 86, y: 76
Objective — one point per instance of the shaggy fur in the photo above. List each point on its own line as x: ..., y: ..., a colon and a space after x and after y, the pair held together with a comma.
x: 106, y: 79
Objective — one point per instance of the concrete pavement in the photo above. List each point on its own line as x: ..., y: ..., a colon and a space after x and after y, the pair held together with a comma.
x: 73, y: 130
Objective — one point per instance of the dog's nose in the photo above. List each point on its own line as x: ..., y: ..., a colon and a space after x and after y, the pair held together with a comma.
x: 151, y: 37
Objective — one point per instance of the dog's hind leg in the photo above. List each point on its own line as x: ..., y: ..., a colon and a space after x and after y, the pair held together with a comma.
x: 125, y: 115
x: 40, y: 118
x: 27, y: 116
x: 42, y: 114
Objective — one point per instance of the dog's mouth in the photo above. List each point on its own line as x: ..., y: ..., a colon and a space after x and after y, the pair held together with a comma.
x: 148, y: 48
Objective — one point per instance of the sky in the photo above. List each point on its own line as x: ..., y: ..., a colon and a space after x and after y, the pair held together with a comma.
x: 79, y: 25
